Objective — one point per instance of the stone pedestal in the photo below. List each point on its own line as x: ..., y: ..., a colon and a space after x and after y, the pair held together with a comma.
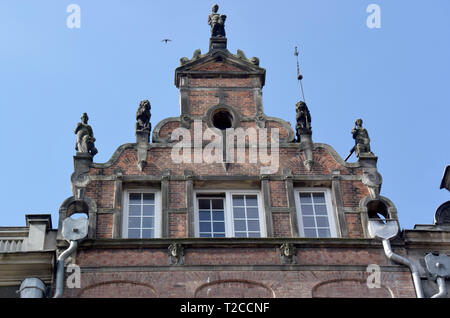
x: 217, y: 43
x: 305, y: 136
x: 80, y: 177
x: 143, y: 136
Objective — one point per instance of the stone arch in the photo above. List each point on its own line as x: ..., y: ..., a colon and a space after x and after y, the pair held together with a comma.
x: 119, y: 289
x: 370, y: 207
x: 349, y: 288
x: 71, y: 206
x: 234, y: 288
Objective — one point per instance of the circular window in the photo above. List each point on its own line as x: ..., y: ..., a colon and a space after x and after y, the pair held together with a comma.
x: 222, y: 119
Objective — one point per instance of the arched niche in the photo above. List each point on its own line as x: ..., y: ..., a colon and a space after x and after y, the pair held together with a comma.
x: 71, y: 206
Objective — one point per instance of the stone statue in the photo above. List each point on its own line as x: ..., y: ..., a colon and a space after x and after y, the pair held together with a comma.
x: 362, y: 140
x: 217, y: 22
x: 85, y: 137
x: 303, y: 118
x: 143, y: 116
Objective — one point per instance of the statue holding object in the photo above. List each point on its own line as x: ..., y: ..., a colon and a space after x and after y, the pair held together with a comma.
x: 85, y: 137
x: 362, y: 140
x: 217, y: 22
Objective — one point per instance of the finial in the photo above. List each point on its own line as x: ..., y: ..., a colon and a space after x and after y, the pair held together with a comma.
x: 299, y: 76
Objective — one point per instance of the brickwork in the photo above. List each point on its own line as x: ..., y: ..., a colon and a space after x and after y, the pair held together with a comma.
x: 240, y: 284
x: 281, y: 224
x: 320, y: 268
x: 177, y: 225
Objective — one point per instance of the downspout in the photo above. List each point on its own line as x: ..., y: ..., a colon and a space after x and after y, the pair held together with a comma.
x: 385, y: 232
x: 73, y: 231
x: 442, y: 288
x: 404, y: 261
x: 60, y: 268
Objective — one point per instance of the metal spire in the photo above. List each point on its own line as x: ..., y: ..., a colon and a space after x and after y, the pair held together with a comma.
x: 299, y: 76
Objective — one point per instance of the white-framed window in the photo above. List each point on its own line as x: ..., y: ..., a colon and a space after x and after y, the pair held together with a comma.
x: 228, y: 214
x: 315, y: 213
x: 141, y: 214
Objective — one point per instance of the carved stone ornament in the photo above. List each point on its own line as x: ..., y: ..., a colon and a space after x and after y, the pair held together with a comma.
x: 176, y: 254
x: 260, y: 119
x: 288, y: 253
x: 85, y: 137
x: 372, y: 179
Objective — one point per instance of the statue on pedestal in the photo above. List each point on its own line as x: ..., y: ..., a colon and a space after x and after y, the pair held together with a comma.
x: 85, y: 137
x: 217, y: 22
x: 362, y: 140
x: 143, y: 116
x: 303, y: 118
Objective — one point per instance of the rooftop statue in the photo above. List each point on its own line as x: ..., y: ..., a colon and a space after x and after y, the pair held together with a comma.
x: 85, y: 137
x: 362, y: 140
x: 217, y: 22
x: 303, y: 118
x: 143, y: 116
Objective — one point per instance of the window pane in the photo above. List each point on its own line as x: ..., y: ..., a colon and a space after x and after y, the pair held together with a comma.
x: 253, y: 226
x: 148, y: 210
x: 239, y: 226
x: 205, y: 235
x: 238, y: 200
x: 307, y: 209
x: 149, y: 198
x: 134, y: 233
x: 204, y: 204
x: 135, y: 210
x: 251, y: 200
x: 239, y: 213
x: 219, y: 235
x: 322, y: 221
x: 135, y: 198
x: 148, y: 222
x: 254, y: 234
x: 147, y: 234
x: 324, y: 233
x: 204, y: 215
x: 308, y: 221
x: 305, y: 198
x: 134, y: 223
x: 319, y: 198
x: 240, y: 234
x: 252, y: 213
x: 321, y: 209
x: 217, y: 204
x: 218, y: 215
x: 310, y: 233
x: 205, y: 226
x: 219, y: 227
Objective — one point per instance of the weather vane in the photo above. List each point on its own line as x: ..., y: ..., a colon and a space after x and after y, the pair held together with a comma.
x: 299, y: 76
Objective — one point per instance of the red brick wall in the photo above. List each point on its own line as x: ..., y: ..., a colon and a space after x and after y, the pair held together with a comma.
x: 185, y: 281
x: 281, y: 224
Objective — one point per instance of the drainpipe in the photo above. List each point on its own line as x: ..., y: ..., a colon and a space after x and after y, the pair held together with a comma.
x: 442, y: 288
x: 404, y: 261
x: 73, y: 231
x: 385, y: 232
x: 60, y: 268
x: 32, y: 287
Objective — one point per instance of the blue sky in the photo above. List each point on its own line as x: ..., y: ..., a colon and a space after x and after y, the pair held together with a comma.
x: 395, y: 78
